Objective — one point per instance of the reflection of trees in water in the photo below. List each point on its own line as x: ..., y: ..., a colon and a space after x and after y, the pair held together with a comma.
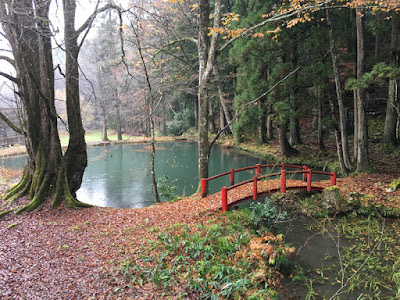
x: 97, y: 157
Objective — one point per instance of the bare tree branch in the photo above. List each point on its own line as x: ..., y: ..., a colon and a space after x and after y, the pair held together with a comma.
x: 88, y: 24
x: 9, y: 77
x: 7, y: 59
x: 11, y: 124
x: 58, y: 67
x: 171, y: 43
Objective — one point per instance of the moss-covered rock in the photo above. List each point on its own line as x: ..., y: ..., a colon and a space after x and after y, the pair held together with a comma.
x: 394, y: 185
x: 333, y: 201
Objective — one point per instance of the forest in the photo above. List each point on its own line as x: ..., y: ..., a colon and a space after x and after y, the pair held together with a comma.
x: 303, y: 82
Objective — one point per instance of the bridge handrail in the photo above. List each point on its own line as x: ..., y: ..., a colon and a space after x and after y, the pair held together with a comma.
x: 232, y: 174
x: 218, y: 175
x: 307, y: 176
x: 293, y: 166
x: 239, y: 184
x: 258, y: 172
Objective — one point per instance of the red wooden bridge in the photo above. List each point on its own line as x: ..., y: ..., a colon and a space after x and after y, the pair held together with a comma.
x: 258, y: 181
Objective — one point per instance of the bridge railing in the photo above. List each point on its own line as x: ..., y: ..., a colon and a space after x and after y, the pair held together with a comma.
x: 204, y: 181
x: 307, y: 176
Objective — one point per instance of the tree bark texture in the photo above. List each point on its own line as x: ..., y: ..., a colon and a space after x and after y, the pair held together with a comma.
x: 30, y: 36
x: 222, y: 98
x: 270, y: 129
x: 104, y: 135
x: 207, y: 54
x: 389, y: 133
x: 262, y: 130
x: 75, y: 157
x: 339, y: 94
x: 362, y: 135
x: 320, y: 134
x: 294, y: 133
x: 286, y: 149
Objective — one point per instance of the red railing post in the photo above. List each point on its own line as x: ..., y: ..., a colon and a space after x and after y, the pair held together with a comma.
x: 283, y: 167
x: 305, y: 168
x: 224, y: 194
x: 232, y: 177
x: 203, y: 187
x: 255, y: 188
x: 333, y: 178
x: 309, y: 180
x: 283, y: 181
x: 258, y: 170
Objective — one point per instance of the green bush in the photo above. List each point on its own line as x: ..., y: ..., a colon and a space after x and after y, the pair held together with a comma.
x: 264, y: 215
x: 165, y: 187
x: 181, y: 122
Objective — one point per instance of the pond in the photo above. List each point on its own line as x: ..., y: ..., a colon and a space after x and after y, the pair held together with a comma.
x: 119, y: 175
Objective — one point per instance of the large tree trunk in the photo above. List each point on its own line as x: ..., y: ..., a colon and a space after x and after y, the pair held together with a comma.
x: 164, y: 116
x: 262, y: 129
x: 294, y: 134
x: 104, y: 135
x: 207, y: 54
x: 270, y: 129
x: 295, y: 138
x: 30, y: 40
x: 338, y: 139
x: 75, y: 157
x: 222, y: 99
x: 353, y: 47
x: 339, y: 95
x: 286, y: 149
x: 119, y: 126
x: 320, y: 134
x: 389, y: 133
x: 362, y: 135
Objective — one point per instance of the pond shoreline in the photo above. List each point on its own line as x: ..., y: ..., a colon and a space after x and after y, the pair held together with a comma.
x: 17, y: 150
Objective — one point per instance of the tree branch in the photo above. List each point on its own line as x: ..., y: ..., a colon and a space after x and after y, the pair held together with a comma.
x: 7, y: 59
x: 11, y: 124
x: 185, y: 39
x: 277, y: 17
x: 88, y: 23
x: 250, y: 103
x: 9, y: 77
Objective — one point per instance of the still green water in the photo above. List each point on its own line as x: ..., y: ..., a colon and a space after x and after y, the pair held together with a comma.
x: 119, y: 175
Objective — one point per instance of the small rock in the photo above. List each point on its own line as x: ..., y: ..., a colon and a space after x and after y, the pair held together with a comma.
x: 333, y: 200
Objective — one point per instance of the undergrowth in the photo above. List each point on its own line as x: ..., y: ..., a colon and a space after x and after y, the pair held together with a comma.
x: 223, y: 257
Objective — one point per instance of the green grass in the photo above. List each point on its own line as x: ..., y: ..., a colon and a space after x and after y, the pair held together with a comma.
x: 95, y: 136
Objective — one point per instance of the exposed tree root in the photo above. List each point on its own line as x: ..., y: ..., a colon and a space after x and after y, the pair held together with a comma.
x: 20, y: 189
x: 63, y: 192
x: 39, y: 197
x: 44, y: 182
x: 5, y: 213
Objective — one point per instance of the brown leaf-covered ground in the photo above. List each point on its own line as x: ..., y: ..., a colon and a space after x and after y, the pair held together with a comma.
x: 74, y: 254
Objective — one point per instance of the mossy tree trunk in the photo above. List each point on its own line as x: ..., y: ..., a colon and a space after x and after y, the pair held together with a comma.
x: 30, y: 38
x: 389, y: 133
x: 75, y: 157
x: 285, y: 147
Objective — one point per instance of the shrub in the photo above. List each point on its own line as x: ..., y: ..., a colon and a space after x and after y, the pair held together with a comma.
x: 264, y: 215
